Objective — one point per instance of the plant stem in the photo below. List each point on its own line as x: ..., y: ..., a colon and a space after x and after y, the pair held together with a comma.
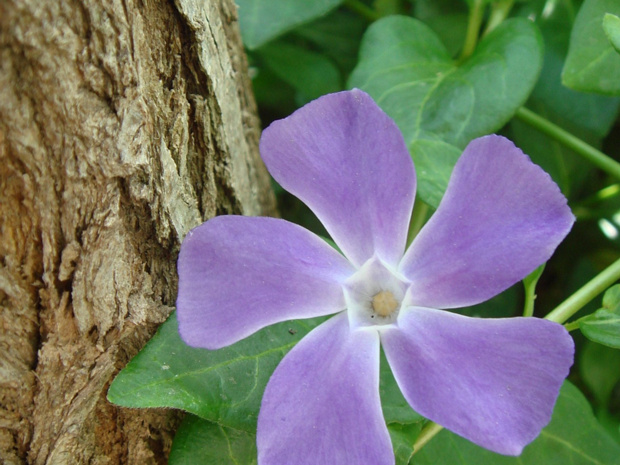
x: 473, y: 29
x: 499, y: 11
x: 594, y: 156
x: 428, y: 432
x: 418, y: 218
x: 605, y: 193
x: 529, y: 283
x: 584, y: 295
x: 363, y: 10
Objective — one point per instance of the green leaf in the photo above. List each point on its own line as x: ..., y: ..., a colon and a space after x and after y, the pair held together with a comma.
x: 434, y: 161
x: 592, y: 64
x: 587, y: 116
x: 599, y: 366
x: 403, y: 437
x: 603, y: 326
x: 409, y: 72
x: 263, y: 20
x: 225, y: 386
x: 310, y: 73
x: 337, y: 35
x: 395, y: 407
x: 201, y: 442
x: 611, y: 26
x: 573, y: 437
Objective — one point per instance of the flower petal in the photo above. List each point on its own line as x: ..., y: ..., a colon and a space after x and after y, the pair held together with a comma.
x: 501, y: 217
x: 492, y: 381
x: 347, y: 160
x: 321, y: 405
x: 239, y: 274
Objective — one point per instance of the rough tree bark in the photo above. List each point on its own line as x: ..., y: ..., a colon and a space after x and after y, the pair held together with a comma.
x: 123, y: 124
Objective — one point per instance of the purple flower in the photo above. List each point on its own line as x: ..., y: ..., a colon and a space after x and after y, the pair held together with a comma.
x: 492, y: 381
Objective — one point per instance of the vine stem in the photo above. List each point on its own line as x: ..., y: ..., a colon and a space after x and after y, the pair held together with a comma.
x: 499, y: 12
x: 529, y: 283
x: 361, y: 9
x: 473, y: 29
x: 594, y: 156
x: 584, y: 295
x: 428, y: 432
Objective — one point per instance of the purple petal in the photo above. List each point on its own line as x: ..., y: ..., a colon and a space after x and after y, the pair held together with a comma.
x: 492, y: 381
x: 239, y: 274
x: 321, y: 405
x: 347, y: 160
x: 501, y: 217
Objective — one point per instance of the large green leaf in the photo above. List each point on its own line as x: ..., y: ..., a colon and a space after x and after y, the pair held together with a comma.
x: 225, y: 386
x: 263, y: 20
x: 573, y: 437
x: 408, y: 71
x: 441, y: 105
x: 603, y: 326
x: 592, y: 64
x: 201, y: 442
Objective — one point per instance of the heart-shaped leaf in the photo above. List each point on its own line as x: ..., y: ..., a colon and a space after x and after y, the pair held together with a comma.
x: 410, y: 74
x: 434, y: 100
x: 225, y: 386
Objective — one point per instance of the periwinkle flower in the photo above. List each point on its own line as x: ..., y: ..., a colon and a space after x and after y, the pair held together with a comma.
x: 492, y: 381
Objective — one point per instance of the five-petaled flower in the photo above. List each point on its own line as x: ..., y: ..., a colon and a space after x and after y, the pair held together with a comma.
x: 492, y: 381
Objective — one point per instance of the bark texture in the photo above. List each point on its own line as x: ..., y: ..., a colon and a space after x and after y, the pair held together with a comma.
x: 123, y: 124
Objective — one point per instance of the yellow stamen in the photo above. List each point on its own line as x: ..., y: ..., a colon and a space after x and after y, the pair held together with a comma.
x: 384, y: 303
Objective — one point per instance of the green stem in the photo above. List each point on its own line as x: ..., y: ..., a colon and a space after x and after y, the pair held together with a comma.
x: 605, y: 193
x: 584, y: 295
x: 499, y: 12
x: 529, y: 283
x: 418, y: 218
x: 361, y: 9
x: 594, y: 156
x: 473, y: 29
x: 428, y: 432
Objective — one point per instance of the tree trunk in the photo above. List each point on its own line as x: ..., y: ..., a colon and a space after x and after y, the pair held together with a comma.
x: 123, y: 124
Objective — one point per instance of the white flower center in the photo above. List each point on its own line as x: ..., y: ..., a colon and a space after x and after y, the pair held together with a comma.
x: 374, y: 295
